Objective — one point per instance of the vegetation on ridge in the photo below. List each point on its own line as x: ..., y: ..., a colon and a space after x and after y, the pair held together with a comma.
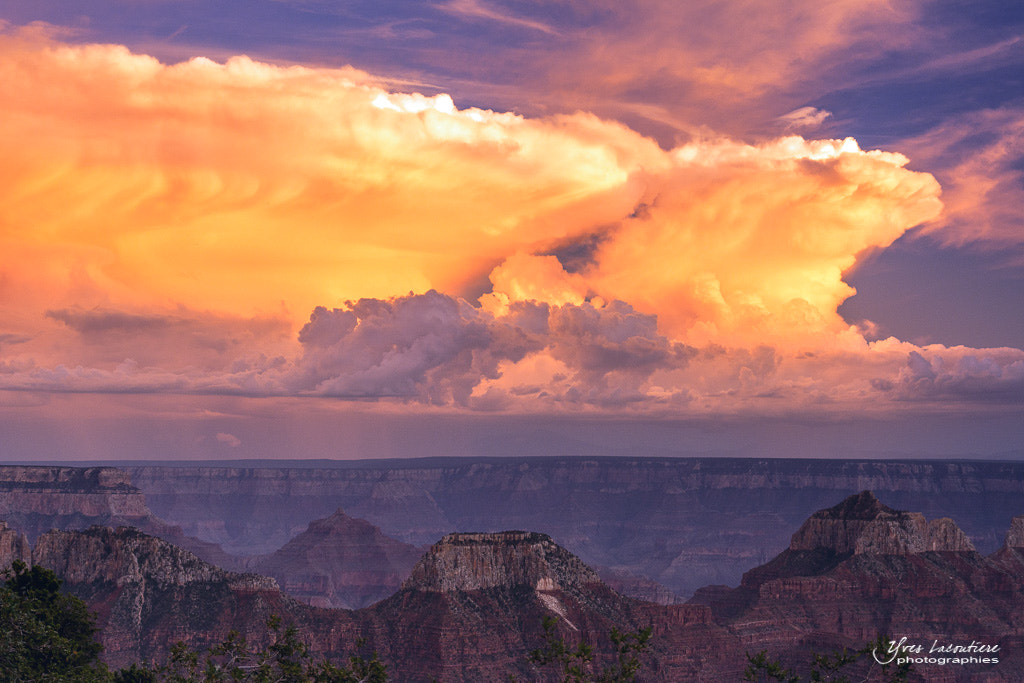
x: 48, y: 636
x: 577, y: 663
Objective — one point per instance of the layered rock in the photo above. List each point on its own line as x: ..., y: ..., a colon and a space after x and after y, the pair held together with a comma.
x: 682, y: 522
x: 1015, y: 536
x: 13, y: 546
x: 485, y: 596
x: 479, y: 627
x: 862, y: 524
x: 474, y: 561
x: 340, y: 561
x: 861, y: 569
x: 638, y: 587
x: 149, y: 594
x: 472, y: 607
x: 36, y: 499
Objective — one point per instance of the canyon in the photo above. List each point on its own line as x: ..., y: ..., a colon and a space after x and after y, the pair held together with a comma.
x: 470, y: 606
x: 473, y: 605
x: 662, y: 527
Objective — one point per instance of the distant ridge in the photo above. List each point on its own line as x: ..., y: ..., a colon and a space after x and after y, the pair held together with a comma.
x: 1016, y: 456
x: 682, y: 523
x: 340, y: 561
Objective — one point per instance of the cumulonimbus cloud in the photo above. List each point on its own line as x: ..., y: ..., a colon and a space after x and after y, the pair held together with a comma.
x: 235, y: 186
x: 217, y: 204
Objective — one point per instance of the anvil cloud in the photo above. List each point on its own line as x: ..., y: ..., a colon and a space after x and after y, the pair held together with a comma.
x: 245, y: 228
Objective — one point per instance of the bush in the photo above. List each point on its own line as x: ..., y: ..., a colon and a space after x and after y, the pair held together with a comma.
x: 47, y: 635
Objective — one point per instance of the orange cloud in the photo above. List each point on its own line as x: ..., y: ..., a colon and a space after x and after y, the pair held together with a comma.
x: 741, y: 244
x: 169, y: 227
x: 236, y: 186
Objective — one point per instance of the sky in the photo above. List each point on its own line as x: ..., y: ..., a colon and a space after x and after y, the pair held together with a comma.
x: 311, y: 229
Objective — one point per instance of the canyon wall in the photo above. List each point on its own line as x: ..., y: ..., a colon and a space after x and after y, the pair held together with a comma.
x: 473, y: 605
x: 681, y: 522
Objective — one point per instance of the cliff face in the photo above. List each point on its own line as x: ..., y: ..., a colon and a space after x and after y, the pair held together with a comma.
x: 683, y: 523
x: 510, y: 559
x: 340, y: 561
x: 36, y: 499
x: 485, y: 596
x: 479, y: 626
x: 149, y: 594
x: 13, y: 546
x: 1015, y: 536
x: 472, y: 607
x: 861, y: 569
x: 861, y: 524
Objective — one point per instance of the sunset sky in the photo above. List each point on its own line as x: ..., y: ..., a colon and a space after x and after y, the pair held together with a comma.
x: 312, y: 229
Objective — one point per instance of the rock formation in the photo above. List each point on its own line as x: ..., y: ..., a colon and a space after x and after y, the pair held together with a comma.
x: 340, y: 561
x: 485, y: 596
x: 682, y: 522
x: 14, y: 545
x: 149, y: 594
x: 472, y: 607
x: 467, y: 562
x: 859, y: 570
x: 638, y: 587
x: 861, y: 524
x: 35, y: 499
x: 1015, y: 536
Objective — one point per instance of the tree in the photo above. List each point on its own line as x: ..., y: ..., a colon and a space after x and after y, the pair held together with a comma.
x: 50, y: 637
x: 285, y: 660
x: 46, y: 635
x: 135, y: 674
x: 824, y: 667
x: 577, y: 663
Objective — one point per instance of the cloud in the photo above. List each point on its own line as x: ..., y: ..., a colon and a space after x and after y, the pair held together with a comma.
x: 978, y: 159
x: 738, y: 244
x: 229, y: 439
x: 474, y: 9
x: 173, y: 340
x: 168, y: 228
x: 956, y: 375
x: 233, y: 187
x: 804, y: 118
x: 420, y: 346
x: 436, y: 349
x: 681, y: 69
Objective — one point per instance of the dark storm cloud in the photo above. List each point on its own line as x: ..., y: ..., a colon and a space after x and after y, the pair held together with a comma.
x: 434, y: 348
